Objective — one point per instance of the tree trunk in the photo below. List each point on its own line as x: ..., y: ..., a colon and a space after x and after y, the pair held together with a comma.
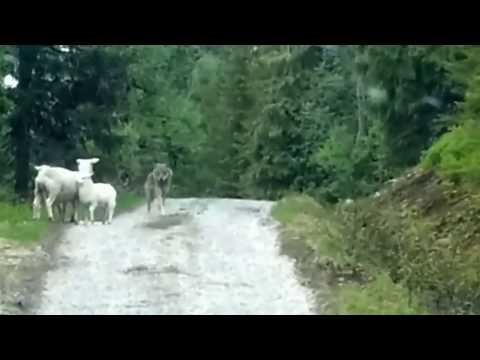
x: 21, y: 140
x: 20, y: 121
x: 360, y: 112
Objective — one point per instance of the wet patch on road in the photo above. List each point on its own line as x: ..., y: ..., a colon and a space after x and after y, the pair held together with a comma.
x: 167, y: 221
x: 145, y: 269
x: 249, y: 209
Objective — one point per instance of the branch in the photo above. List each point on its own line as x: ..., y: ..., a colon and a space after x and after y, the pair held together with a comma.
x: 72, y: 48
x: 55, y: 49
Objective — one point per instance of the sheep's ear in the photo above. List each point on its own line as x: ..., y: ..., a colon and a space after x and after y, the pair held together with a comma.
x: 95, y: 160
x: 38, y: 168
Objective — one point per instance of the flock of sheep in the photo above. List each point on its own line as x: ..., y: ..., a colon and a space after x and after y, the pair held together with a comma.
x: 57, y: 187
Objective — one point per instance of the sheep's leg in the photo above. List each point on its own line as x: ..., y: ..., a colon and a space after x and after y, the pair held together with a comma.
x: 56, y: 211
x: 74, y: 218
x: 111, y: 211
x: 37, y: 207
x: 92, y: 208
x: 61, y: 211
x: 106, y: 209
x: 149, y: 205
x: 38, y: 201
x: 49, y: 203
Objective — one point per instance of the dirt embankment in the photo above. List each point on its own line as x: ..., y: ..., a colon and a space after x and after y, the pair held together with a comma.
x: 421, y: 231
x: 451, y: 211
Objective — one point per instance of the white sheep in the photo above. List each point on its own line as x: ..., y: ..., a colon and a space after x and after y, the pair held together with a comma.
x: 41, y: 195
x: 95, y: 194
x: 59, y: 185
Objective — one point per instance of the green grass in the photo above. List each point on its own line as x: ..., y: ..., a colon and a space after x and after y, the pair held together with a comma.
x: 128, y: 200
x: 307, y: 224
x: 310, y: 228
x: 16, y: 223
x: 289, y: 208
x: 455, y: 155
x: 379, y: 297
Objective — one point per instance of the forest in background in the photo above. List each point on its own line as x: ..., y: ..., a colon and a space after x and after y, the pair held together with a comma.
x: 330, y: 122
x: 254, y: 121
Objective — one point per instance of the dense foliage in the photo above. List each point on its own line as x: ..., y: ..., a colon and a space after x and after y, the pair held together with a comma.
x: 239, y: 121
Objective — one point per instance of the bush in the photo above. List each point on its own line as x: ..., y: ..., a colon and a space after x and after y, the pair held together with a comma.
x: 311, y: 226
x: 354, y: 169
x: 420, y: 267
x: 379, y: 297
x: 441, y: 270
x: 335, y: 244
x: 6, y: 195
x: 455, y: 155
x: 293, y: 205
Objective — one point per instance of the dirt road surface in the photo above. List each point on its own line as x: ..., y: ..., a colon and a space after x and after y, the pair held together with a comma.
x: 211, y: 257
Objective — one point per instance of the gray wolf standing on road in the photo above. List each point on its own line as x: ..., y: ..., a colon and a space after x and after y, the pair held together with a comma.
x: 157, y: 185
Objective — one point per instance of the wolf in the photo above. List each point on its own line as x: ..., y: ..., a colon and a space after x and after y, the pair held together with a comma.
x: 158, y: 185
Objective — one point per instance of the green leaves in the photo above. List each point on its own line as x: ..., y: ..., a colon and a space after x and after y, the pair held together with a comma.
x: 333, y: 121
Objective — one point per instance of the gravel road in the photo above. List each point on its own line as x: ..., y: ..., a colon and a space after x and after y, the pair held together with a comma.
x: 204, y: 257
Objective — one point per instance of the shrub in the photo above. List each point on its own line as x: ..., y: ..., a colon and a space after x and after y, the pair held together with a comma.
x: 419, y: 268
x: 379, y: 297
x: 455, y: 155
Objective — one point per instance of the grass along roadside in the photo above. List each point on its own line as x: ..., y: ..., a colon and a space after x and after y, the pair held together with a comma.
x: 127, y: 201
x: 16, y: 223
x: 24, y: 248
x: 315, y: 237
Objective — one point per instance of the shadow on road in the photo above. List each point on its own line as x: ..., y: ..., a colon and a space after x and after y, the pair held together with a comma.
x: 167, y: 221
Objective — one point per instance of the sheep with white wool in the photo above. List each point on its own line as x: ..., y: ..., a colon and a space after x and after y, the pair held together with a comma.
x: 97, y: 194
x: 59, y: 186
x: 40, y: 197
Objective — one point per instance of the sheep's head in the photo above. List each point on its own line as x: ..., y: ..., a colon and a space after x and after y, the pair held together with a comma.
x: 40, y: 167
x: 85, y: 166
x: 82, y: 178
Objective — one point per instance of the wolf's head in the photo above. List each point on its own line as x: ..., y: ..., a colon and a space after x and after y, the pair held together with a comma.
x: 161, y: 172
